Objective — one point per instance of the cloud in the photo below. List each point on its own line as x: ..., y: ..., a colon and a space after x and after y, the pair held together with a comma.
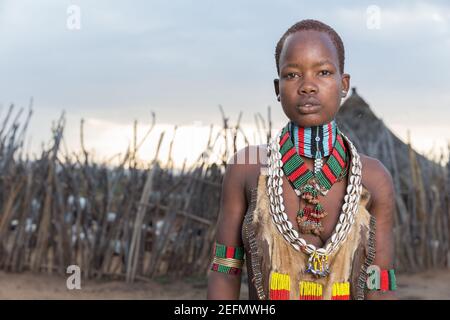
x: 182, y: 58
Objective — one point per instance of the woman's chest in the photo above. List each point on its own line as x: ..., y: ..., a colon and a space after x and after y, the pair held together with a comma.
x: 331, y: 203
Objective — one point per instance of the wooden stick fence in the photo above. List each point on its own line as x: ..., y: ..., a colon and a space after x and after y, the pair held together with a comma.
x: 125, y: 222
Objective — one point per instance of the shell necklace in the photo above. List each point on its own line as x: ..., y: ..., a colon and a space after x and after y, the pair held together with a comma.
x: 309, y: 185
x: 318, y: 257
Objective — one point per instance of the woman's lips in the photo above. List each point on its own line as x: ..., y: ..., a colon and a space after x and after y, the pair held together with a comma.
x: 308, y: 108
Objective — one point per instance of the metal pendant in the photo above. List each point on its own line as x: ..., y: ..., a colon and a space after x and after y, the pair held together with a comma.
x: 318, y: 265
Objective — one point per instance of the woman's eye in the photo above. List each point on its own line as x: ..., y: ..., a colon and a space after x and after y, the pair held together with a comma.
x: 325, y: 72
x: 291, y: 75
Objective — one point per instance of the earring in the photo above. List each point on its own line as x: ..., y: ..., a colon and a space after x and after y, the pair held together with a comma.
x: 344, y: 93
x: 278, y: 98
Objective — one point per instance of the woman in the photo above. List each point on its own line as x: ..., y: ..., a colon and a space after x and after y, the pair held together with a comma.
x: 308, y: 211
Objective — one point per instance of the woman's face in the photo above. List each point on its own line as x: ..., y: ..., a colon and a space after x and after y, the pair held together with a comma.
x: 310, y: 85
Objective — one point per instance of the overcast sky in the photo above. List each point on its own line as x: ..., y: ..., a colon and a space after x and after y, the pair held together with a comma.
x: 183, y: 58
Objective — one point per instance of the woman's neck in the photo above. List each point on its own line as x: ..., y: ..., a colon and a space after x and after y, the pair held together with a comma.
x: 314, y: 142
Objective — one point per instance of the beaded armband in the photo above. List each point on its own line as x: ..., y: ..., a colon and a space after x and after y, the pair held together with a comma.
x: 378, y: 279
x: 227, y: 259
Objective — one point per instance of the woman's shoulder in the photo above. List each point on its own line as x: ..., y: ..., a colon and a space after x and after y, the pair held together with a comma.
x: 247, y: 162
x: 251, y: 155
x: 373, y: 170
x: 376, y: 179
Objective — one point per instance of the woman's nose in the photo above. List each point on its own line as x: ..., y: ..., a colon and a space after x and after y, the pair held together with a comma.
x: 308, y: 87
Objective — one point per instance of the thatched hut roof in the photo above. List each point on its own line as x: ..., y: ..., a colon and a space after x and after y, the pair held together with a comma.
x: 373, y: 138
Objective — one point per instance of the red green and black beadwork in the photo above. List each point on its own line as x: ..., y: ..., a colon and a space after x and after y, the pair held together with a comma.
x: 307, y: 184
x: 227, y: 259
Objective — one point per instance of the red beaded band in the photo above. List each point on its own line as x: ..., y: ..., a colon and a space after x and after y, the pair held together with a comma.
x: 378, y: 279
x: 227, y: 260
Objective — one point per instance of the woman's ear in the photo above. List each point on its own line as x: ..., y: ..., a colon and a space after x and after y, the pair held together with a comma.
x: 276, y: 84
x: 345, y: 84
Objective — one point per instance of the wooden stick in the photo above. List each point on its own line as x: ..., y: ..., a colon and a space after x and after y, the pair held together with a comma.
x: 135, y: 242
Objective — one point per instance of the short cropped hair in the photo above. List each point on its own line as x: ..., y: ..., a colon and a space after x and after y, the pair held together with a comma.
x: 310, y: 24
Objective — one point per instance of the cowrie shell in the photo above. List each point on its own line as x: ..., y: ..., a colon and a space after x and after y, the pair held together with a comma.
x: 334, y: 238
x: 288, y: 224
x: 279, y: 228
x: 350, y: 189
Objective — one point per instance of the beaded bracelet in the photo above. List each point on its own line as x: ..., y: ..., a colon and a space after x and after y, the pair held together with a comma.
x: 227, y: 260
x: 378, y: 279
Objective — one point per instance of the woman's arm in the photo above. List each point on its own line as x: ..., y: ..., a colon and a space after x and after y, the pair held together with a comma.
x: 379, y: 183
x: 232, y: 211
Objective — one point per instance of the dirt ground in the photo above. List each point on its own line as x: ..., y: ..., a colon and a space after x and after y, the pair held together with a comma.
x: 427, y: 285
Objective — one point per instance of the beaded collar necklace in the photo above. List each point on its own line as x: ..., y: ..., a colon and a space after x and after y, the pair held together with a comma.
x: 318, y: 257
x: 307, y: 184
x: 314, y: 142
